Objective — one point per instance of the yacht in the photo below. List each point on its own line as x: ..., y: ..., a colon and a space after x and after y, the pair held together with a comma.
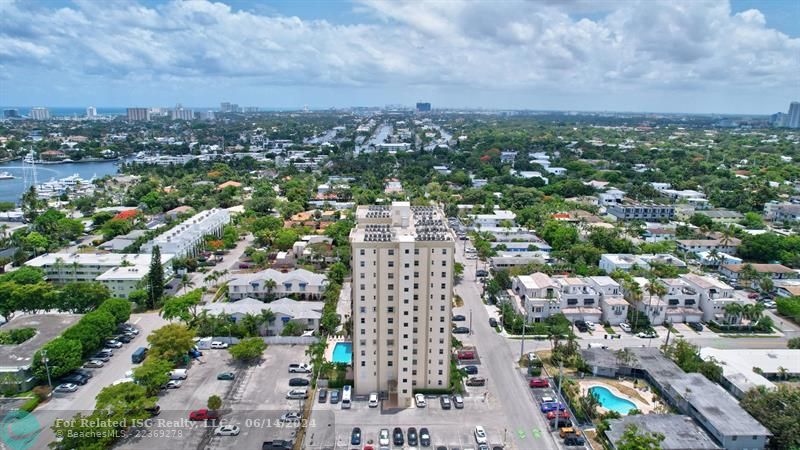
x: 6, y: 176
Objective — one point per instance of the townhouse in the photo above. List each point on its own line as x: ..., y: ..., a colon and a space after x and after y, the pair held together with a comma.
x: 271, y: 283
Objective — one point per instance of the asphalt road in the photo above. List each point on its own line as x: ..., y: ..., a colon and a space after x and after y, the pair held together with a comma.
x: 505, y: 384
x: 65, y: 406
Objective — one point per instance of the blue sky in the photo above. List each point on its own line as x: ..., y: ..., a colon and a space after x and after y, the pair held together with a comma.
x: 631, y: 55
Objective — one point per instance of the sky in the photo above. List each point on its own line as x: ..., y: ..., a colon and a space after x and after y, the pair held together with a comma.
x: 695, y: 56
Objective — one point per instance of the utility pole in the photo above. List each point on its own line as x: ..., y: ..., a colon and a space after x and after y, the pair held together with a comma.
x: 522, y: 343
x: 470, y: 322
x: 47, y: 369
x: 560, y: 395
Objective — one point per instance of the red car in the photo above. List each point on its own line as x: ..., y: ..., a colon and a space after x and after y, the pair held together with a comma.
x: 466, y: 354
x: 203, y: 414
x: 752, y: 295
x: 552, y: 415
x: 369, y: 447
x: 538, y: 383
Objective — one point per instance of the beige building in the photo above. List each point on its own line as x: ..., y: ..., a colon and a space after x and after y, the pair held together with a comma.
x: 401, y: 300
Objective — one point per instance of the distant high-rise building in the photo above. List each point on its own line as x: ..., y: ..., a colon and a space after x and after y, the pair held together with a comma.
x: 423, y: 107
x: 793, y: 119
x: 778, y: 119
x: 227, y: 107
x: 11, y: 114
x: 91, y: 112
x: 40, y: 113
x: 181, y: 113
x: 401, y: 300
x: 250, y: 109
x: 205, y: 115
x: 138, y: 114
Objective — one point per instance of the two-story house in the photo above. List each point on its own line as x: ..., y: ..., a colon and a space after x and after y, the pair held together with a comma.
x: 614, y: 307
x: 713, y: 294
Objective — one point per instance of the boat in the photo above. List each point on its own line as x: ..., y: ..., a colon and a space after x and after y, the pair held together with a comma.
x: 6, y: 176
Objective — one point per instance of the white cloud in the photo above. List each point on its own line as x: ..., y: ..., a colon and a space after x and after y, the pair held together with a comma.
x: 508, y: 45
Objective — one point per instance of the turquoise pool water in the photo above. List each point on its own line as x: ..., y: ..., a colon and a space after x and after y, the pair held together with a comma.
x: 343, y: 352
x: 610, y: 401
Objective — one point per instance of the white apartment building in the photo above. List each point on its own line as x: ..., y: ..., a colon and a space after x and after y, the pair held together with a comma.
x: 285, y: 310
x: 579, y: 299
x: 611, y: 197
x: 713, y: 295
x: 188, y: 238
x: 494, y: 220
x: 539, y: 295
x: 272, y: 283
x: 625, y: 262
x: 402, y: 259
x: 707, y: 245
x: 121, y: 273
x: 39, y: 113
x: 614, y: 307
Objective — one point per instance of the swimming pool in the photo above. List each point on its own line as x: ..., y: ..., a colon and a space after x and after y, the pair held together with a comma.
x: 610, y: 401
x: 343, y: 353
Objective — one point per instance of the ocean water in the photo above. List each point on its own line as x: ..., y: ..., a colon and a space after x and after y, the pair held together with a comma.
x: 11, y: 190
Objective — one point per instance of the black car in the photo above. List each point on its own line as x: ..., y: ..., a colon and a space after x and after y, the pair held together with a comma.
x: 124, y: 338
x: 696, y: 326
x: 84, y: 373
x: 154, y: 411
x: 278, y: 444
x: 424, y: 437
x: 298, y: 382
x: 493, y: 322
x: 355, y: 436
x: 323, y: 395
x: 560, y: 423
x: 471, y: 370
x: 412, y: 437
x: 481, y: 273
x: 459, y: 318
x: 581, y: 326
x: 574, y: 440
x: 75, y: 378
x: 397, y: 436
x: 460, y: 330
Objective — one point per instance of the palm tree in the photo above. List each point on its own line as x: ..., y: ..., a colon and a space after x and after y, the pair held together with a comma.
x: 654, y: 288
x: 715, y: 256
x: 727, y: 235
x: 747, y: 275
x: 249, y: 324
x: 269, y: 285
x: 59, y: 266
x: 634, y: 296
x: 782, y: 372
x: 733, y: 311
x: 766, y: 284
x: 186, y: 283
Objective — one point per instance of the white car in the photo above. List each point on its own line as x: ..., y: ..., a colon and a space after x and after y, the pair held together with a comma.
x: 472, y: 257
x: 113, y: 343
x: 291, y: 417
x: 590, y: 324
x: 299, y: 368
x: 227, y: 430
x: 625, y: 327
x: 373, y: 400
x: 66, y: 387
x: 383, y: 438
x: 547, y: 399
x: 173, y: 384
x: 218, y: 344
x: 480, y: 435
x: 297, y: 394
x: 420, y: 400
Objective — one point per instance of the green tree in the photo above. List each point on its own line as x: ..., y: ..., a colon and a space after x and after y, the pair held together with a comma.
x: 152, y: 374
x: 779, y: 411
x: 183, y: 308
x: 337, y: 272
x: 248, y: 349
x: 82, y: 297
x: 794, y: 343
x: 155, y: 278
x: 285, y: 238
x: 632, y: 439
x: 92, y: 330
x: 63, y: 356
x: 171, y: 342
x: 138, y: 297
x: 214, y: 402
x: 292, y: 328
x: 117, y: 307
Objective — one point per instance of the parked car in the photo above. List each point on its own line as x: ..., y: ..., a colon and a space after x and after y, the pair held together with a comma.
x: 696, y: 326
x: 218, y: 345
x: 567, y: 431
x: 335, y: 396
x: 539, y: 383
x: 128, y: 328
x: 445, y: 401
x: 397, y: 436
x: 226, y: 376
x: 466, y: 354
x: 113, y: 343
x: 419, y: 399
x: 470, y: 370
x: 552, y: 406
x: 373, y: 400
x: 458, y: 401
x: 480, y: 435
x: 481, y: 273
x: 459, y: 318
x: 66, y: 387
x: 298, y: 382
x: 647, y: 334
x: 476, y: 381
x: 625, y: 327
x: 94, y: 364
x: 424, y: 437
x: 277, y: 444
x: 124, y: 338
x: 106, y: 351
x: 559, y: 423
x: 75, y: 378
x: 195, y: 353
x: 574, y: 441
x: 297, y: 394
x: 460, y: 330
x: 322, y: 395
x: 493, y: 322
x: 203, y: 414
x: 411, y: 436
x: 173, y: 384
x: 153, y: 410
x: 355, y: 436
x: 291, y: 417
x: 581, y: 326
x: 178, y: 374
x: 226, y: 430
x: 299, y: 368
x: 752, y: 295
x: 561, y: 414
x: 85, y: 373
x: 383, y: 437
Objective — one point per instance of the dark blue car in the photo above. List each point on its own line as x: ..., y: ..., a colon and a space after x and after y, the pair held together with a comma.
x: 355, y: 436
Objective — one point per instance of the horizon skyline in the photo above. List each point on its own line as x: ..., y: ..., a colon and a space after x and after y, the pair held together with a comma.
x: 699, y: 57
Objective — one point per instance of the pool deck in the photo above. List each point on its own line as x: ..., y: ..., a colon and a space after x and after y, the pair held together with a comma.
x: 642, y: 404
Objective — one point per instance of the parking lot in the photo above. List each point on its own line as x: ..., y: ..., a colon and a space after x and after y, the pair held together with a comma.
x: 253, y: 401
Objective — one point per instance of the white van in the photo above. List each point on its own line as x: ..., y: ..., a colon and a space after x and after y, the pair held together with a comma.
x: 347, y: 392
x: 178, y: 374
x: 597, y: 345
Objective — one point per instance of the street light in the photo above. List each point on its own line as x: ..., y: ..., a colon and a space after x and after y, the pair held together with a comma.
x: 46, y: 368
